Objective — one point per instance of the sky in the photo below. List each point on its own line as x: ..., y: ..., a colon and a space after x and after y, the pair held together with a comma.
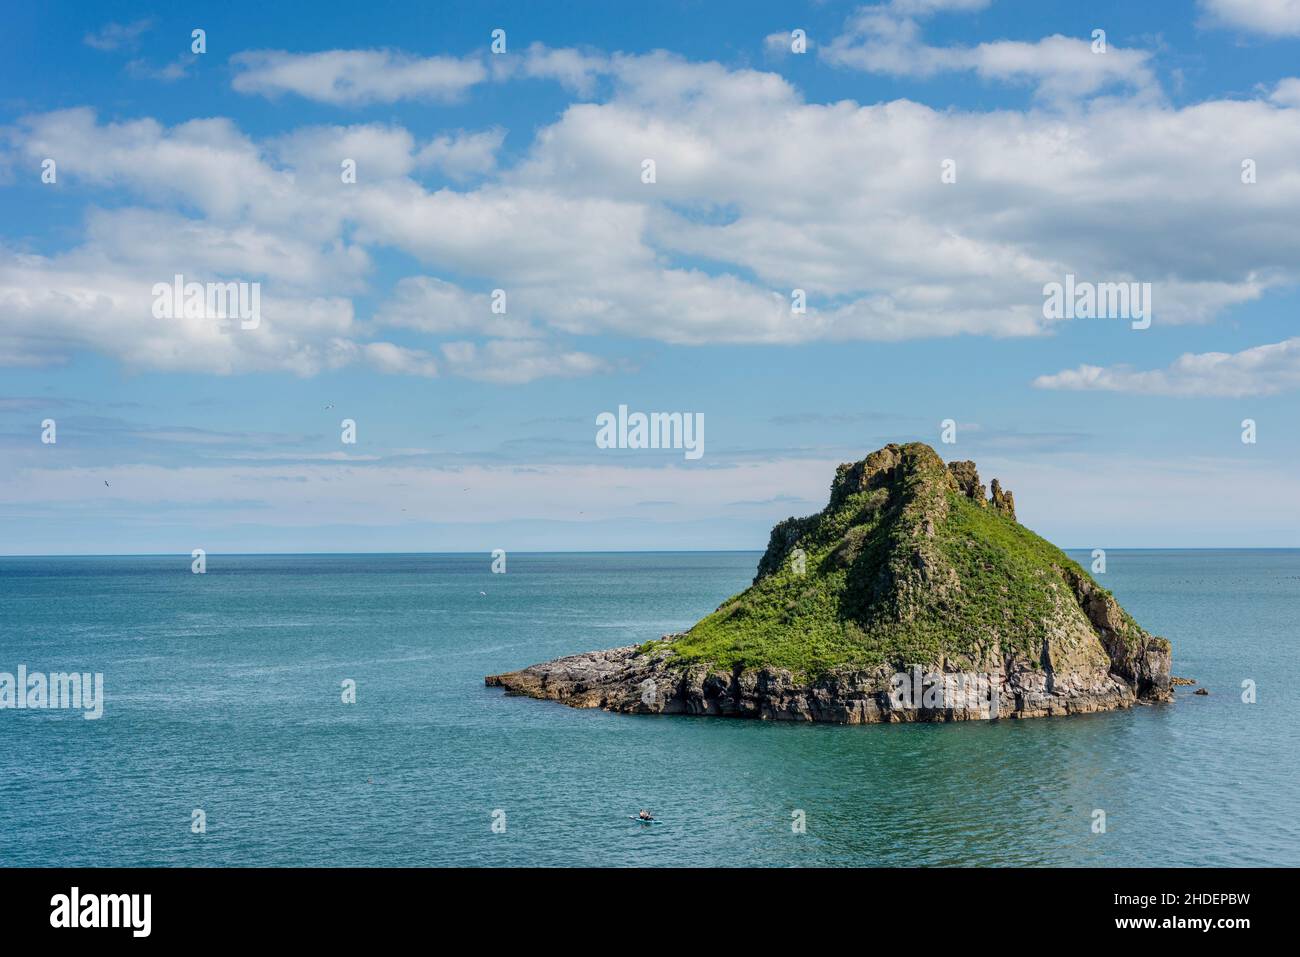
x: 471, y: 253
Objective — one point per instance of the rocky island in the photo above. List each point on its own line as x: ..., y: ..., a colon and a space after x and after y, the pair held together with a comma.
x: 911, y: 597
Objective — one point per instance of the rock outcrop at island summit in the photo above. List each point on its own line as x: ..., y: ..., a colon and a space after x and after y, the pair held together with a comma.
x: 910, y: 597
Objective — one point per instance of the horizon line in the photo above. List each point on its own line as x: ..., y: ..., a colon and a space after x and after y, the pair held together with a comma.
x: 616, y: 551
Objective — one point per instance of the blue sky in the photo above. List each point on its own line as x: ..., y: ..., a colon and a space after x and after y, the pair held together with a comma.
x: 522, y: 171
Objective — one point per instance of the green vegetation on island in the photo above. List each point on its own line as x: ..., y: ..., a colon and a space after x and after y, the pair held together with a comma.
x: 903, y: 565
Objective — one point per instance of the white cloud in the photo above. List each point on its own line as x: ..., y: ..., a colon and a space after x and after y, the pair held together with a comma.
x: 1262, y: 370
x: 128, y: 239
x: 116, y: 36
x: 575, y: 70
x: 359, y: 77
x: 925, y: 7
x: 315, y: 154
x: 463, y: 155
x: 50, y: 306
x: 432, y: 305
x: 1062, y: 66
x: 886, y: 39
x: 386, y: 357
x: 1274, y: 18
x: 355, y: 77
x: 208, y: 164
x: 175, y: 70
x: 513, y: 362
x: 1287, y: 92
x: 864, y: 223
x: 758, y: 193
x: 778, y: 44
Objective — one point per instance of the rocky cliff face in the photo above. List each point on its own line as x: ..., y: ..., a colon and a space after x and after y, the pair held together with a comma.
x: 634, y: 681
x: 910, y: 597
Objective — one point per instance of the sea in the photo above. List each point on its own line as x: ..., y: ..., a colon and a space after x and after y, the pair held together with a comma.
x: 330, y: 710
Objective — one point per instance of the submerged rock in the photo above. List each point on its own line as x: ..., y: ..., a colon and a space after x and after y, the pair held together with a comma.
x: 910, y: 597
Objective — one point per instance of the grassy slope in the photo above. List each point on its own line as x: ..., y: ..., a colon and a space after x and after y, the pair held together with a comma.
x: 839, y: 615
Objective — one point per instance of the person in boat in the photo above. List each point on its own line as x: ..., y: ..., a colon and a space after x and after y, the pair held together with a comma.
x: 645, y: 816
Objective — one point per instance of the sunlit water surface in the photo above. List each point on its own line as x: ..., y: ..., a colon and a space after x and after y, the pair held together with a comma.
x: 223, y: 693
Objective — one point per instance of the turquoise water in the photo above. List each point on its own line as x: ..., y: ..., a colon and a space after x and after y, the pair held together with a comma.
x: 223, y: 693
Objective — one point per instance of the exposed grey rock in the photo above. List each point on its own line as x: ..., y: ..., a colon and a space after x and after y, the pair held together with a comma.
x: 631, y: 681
